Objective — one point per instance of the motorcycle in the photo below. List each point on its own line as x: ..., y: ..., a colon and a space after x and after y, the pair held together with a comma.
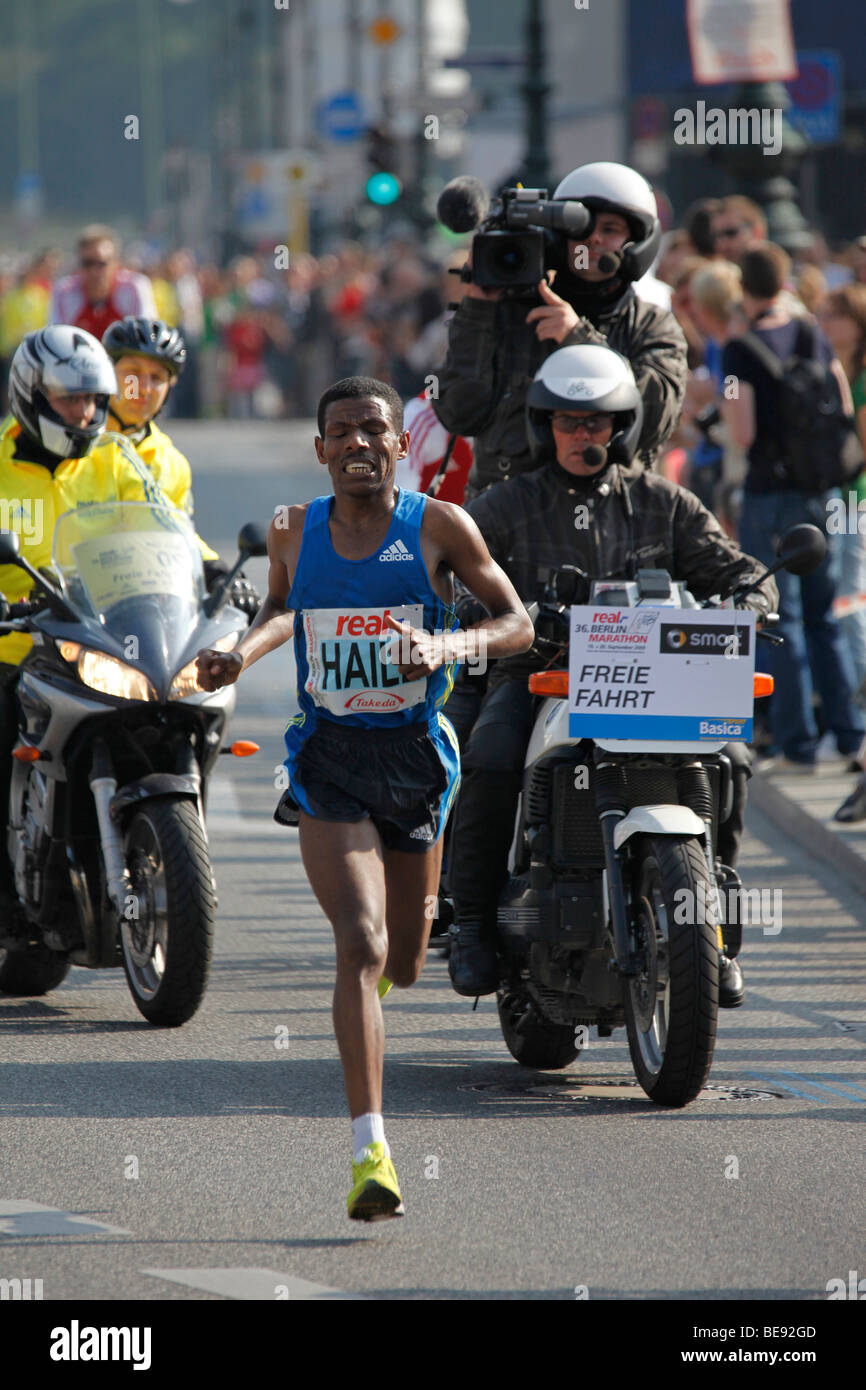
x: 106, y: 821
x: 588, y: 926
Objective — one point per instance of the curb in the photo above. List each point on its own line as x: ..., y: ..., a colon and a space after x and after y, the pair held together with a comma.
x: 810, y: 833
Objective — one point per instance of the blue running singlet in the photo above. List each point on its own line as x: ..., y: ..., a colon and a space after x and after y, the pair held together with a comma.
x: 340, y: 607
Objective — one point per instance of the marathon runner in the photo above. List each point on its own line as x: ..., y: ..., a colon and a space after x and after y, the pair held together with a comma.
x: 373, y: 764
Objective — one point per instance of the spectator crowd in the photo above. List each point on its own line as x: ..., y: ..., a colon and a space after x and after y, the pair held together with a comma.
x: 263, y: 342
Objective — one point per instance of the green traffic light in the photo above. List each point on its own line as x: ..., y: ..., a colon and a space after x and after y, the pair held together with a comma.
x: 382, y: 189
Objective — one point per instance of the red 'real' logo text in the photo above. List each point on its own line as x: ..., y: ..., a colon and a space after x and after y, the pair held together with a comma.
x: 356, y: 625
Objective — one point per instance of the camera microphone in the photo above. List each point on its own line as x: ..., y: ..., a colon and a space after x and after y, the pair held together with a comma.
x: 594, y: 455
x: 463, y: 204
x: 609, y: 262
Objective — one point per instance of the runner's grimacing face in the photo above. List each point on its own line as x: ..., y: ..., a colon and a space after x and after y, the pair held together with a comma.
x: 361, y: 447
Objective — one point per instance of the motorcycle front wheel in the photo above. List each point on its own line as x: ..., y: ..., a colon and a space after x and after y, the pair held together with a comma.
x: 167, y: 934
x: 671, y: 1006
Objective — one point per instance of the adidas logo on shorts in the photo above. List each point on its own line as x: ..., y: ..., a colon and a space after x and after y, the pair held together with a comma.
x: 421, y: 832
x: 397, y: 551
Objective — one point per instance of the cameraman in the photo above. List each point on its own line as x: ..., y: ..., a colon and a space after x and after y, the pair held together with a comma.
x: 495, y: 347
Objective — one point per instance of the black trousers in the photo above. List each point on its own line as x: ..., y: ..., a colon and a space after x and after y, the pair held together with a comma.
x: 492, y: 756
x: 492, y: 760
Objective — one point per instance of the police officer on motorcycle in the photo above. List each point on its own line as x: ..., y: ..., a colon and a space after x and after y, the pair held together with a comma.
x: 590, y: 504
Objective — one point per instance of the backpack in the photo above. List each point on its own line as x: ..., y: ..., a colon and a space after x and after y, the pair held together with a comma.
x: 818, y: 446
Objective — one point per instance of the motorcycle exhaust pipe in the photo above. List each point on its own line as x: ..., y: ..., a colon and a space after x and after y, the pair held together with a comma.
x: 104, y: 787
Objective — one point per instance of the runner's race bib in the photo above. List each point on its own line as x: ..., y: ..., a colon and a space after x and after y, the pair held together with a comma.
x: 346, y: 673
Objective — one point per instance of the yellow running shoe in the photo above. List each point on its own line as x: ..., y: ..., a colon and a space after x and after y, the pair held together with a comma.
x: 383, y: 986
x: 375, y: 1196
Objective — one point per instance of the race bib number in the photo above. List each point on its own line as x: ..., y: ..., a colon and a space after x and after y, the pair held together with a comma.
x: 346, y: 674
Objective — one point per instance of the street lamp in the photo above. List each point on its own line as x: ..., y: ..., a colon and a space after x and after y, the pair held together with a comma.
x: 767, y: 178
x: 535, y: 90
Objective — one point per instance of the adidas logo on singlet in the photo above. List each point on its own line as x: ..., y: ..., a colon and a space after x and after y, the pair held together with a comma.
x: 397, y: 551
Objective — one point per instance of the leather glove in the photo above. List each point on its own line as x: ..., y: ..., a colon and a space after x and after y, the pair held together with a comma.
x: 242, y: 594
x: 245, y: 596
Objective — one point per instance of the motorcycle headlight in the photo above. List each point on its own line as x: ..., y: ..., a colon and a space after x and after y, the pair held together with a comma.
x: 106, y: 674
x: 185, y: 682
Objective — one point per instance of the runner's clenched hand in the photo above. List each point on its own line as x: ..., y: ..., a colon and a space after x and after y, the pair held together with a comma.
x: 428, y: 651
x: 215, y: 669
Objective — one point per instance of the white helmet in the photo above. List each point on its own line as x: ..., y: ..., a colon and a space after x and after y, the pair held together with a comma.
x: 606, y: 187
x: 67, y: 359
x: 586, y: 376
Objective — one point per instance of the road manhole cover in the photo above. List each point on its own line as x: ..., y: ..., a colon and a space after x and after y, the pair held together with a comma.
x: 570, y: 1091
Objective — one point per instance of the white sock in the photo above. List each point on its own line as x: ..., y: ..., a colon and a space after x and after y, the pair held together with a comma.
x: 368, y: 1129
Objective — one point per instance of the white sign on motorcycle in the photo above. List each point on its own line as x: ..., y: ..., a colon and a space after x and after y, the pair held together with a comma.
x: 661, y: 673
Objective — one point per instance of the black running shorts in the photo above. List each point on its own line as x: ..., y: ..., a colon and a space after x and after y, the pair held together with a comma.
x: 400, y: 778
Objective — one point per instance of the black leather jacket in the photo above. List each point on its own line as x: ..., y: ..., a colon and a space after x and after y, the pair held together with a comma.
x: 609, y: 527
x: 493, y: 354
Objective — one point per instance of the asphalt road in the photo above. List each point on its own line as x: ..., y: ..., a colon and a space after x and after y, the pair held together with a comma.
x: 212, y: 1161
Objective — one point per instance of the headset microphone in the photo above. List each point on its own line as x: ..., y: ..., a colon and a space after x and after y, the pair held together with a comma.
x: 594, y: 455
x: 609, y: 262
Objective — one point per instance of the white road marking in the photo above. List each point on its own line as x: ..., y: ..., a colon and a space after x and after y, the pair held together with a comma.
x: 21, y: 1218
x: 251, y: 1283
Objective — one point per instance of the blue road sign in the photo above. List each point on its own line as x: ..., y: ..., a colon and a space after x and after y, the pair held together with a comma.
x: 816, y: 95
x: 340, y: 117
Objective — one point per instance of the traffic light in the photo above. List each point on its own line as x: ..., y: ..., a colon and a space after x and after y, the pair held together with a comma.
x: 383, y: 184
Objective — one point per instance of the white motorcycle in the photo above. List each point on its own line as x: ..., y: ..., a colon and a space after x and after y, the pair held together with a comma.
x: 611, y: 836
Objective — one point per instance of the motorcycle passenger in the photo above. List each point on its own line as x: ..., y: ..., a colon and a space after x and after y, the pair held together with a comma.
x: 606, y: 514
x: 148, y: 357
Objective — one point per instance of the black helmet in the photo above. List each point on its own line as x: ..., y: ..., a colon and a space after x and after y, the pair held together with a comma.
x: 66, y: 359
x: 147, y: 338
x: 585, y: 377
x: 607, y: 187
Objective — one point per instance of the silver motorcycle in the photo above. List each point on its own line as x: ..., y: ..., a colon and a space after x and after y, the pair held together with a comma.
x: 106, y: 819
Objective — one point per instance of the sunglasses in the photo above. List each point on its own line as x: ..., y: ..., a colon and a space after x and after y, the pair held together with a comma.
x: 94, y: 265
x: 593, y: 424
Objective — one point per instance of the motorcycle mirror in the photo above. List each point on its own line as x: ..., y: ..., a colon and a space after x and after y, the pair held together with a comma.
x: 802, y: 549
x: 570, y: 585
x: 10, y: 554
x: 10, y: 548
x: 252, y: 540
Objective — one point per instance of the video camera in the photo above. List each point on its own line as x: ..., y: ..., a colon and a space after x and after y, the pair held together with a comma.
x: 508, y: 250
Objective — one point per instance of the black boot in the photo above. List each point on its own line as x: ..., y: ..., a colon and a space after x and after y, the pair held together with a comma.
x: 472, y: 964
x: 853, y: 808
x: 731, y: 989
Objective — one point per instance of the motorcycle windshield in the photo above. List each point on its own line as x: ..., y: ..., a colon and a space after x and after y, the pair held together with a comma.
x: 136, y: 568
